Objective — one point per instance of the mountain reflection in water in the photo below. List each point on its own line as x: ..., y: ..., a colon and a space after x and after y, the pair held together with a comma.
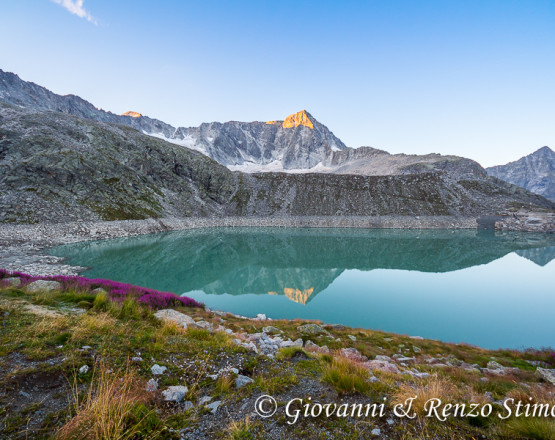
x: 296, y: 263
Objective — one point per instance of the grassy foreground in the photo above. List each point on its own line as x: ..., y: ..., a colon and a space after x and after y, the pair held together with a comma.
x: 77, y: 363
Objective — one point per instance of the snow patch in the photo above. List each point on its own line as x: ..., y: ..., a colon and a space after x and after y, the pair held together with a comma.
x: 277, y: 166
x: 188, y: 141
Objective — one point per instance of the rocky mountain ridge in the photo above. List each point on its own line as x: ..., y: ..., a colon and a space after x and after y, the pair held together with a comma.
x: 299, y: 143
x: 535, y: 172
x: 56, y: 167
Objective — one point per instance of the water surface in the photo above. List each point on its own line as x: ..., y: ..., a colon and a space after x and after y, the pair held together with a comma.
x: 480, y: 287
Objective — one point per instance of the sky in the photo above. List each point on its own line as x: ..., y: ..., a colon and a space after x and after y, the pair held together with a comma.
x: 464, y: 77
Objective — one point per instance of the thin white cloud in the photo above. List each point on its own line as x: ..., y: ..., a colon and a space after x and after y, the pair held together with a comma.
x: 76, y: 7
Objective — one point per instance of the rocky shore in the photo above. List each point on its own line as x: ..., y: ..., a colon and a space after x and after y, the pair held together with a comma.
x: 22, y: 246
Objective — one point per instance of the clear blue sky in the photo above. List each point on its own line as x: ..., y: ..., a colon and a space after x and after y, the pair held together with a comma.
x: 473, y: 78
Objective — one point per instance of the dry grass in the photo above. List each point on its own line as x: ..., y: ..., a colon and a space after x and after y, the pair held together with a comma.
x: 106, y: 410
x: 434, y: 388
x: 240, y: 430
x: 94, y: 324
x: 224, y: 384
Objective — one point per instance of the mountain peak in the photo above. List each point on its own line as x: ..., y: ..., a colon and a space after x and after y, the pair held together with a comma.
x: 299, y: 118
x: 543, y: 150
x: 296, y: 119
x: 132, y: 114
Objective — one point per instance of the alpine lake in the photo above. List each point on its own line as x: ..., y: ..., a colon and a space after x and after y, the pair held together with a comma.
x: 485, y: 288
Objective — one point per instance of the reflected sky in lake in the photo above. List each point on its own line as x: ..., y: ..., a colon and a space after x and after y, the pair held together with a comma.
x: 484, y: 288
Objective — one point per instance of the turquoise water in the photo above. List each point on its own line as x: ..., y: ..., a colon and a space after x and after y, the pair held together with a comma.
x: 490, y: 289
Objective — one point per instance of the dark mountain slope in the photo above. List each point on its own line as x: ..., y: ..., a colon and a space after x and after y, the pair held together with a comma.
x: 535, y: 172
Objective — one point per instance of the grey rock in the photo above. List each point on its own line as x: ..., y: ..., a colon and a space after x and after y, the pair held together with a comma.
x: 376, y: 431
x: 311, y: 329
x: 84, y: 369
x: 175, y: 393
x: 158, y: 369
x: 187, y: 405
x: 99, y: 291
x: 171, y: 315
x: 151, y: 385
x: 213, y: 407
x: 43, y: 285
x: 353, y: 354
x: 352, y: 338
x: 203, y: 325
x: 270, y: 329
x: 546, y: 374
x: 241, y: 381
x: 204, y: 399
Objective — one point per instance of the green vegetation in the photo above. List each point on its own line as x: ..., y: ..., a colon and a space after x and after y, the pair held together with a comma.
x: 48, y: 337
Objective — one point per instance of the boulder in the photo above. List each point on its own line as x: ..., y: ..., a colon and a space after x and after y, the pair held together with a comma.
x: 382, y: 366
x: 43, y: 285
x: 203, y: 325
x: 175, y: 393
x: 170, y: 315
x: 353, y: 354
x: 99, y: 290
x: 270, y: 329
x: 84, y: 369
x: 382, y: 357
x: 311, y: 329
x: 241, y: 381
x: 546, y: 374
x: 312, y: 347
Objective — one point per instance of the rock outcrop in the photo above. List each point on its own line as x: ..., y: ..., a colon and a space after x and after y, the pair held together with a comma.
x: 535, y: 172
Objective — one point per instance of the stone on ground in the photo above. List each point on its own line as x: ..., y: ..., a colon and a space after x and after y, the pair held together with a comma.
x: 170, y: 315
x: 43, y: 285
x: 175, y: 393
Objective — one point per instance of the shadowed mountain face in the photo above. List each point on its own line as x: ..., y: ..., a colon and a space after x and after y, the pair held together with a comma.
x: 535, y: 172
x: 296, y: 263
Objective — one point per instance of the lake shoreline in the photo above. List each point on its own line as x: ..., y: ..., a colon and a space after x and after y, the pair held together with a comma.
x: 22, y: 245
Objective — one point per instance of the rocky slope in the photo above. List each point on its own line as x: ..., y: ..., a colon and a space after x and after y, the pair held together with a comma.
x: 56, y: 167
x: 535, y: 172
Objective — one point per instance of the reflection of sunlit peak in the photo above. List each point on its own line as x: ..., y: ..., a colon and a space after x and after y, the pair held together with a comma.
x: 299, y: 296
x: 272, y: 293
